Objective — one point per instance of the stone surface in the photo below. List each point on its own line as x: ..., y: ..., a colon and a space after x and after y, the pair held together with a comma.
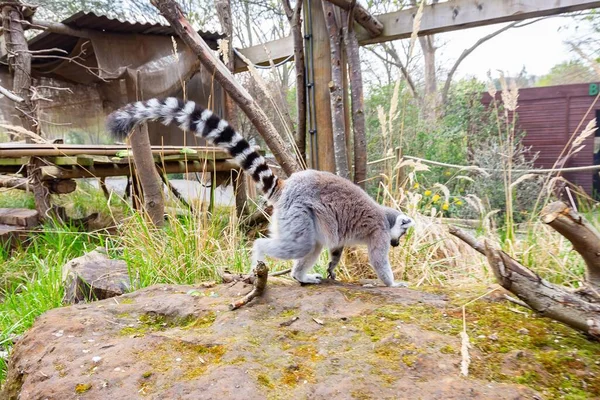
x: 182, y: 342
x: 94, y: 276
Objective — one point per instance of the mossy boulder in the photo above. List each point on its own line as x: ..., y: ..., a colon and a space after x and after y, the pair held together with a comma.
x: 333, y: 341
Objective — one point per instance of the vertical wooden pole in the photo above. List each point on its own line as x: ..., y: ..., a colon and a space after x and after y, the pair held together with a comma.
x: 322, y: 76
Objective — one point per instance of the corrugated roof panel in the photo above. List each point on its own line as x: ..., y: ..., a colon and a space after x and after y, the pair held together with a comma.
x: 90, y: 20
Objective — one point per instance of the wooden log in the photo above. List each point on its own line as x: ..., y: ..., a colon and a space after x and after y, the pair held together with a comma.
x: 584, y: 237
x: 22, y: 217
x: 60, y: 186
x: 321, y: 61
x: 365, y: 19
x: 294, y: 16
x: 547, y: 299
x: 41, y: 194
x: 579, y: 310
x: 154, y: 202
x: 336, y: 93
x: 12, y: 182
x: 172, y: 13
x: 19, y: 61
x: 358, y: 104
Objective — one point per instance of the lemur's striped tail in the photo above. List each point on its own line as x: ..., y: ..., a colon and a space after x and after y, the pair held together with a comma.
x: 205, y: 124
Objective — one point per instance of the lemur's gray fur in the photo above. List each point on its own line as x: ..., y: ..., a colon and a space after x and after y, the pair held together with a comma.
x: 311, y: 209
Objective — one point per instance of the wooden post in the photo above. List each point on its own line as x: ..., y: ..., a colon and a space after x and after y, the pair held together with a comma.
x: 238, y: 182
x: 336, y: 92
x: 322, y: 76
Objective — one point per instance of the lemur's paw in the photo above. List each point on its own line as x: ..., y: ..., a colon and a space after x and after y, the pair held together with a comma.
x: 399, y: 284
x: 310, y: 279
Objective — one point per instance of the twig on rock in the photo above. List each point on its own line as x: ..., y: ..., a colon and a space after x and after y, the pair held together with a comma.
x: 261, y: 273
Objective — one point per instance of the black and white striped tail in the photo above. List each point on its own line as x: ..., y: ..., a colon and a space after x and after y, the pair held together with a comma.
x: 205, y: 124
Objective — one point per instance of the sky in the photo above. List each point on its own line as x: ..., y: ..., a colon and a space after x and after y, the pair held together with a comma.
x: 538, y: 47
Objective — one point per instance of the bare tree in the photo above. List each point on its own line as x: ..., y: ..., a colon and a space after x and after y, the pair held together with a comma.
x: 336, y: 92
x: 294, y: 17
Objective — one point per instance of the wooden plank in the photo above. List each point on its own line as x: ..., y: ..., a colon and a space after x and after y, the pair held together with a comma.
x: 72, y: 160
x: 23, y: 217
x: 104, y: 170
x: 462, y: 14
x: 437, y: 18
x: 14, y: 161
x: 322, y: 77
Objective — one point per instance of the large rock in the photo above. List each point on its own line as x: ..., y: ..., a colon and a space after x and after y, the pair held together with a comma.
x: 181, y: 342
x: 94, y: 276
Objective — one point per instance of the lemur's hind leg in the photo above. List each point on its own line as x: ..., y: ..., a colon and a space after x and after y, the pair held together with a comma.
x: 335, y: 254
x: 303, y: 265
x: 295, y: 237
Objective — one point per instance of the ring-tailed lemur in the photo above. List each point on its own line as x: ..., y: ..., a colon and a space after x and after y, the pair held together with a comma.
x: 311, y: 209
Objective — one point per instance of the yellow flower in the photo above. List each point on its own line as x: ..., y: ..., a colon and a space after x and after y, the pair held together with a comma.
x: 416, y: 185
x: 427, y: 193
x: 445, y: 206
x: 435, y: 198
x: 458, y: 203
x: 447, y: 173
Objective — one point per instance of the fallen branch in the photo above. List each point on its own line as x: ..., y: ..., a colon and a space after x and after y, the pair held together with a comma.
x: 467, y: 238
x: 260, y: 283
x: 584, y: 237
x: 12, y: 96
x: 580, y: 311
x: 172, y: 13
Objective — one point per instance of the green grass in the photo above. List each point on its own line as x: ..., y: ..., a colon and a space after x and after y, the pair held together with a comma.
x: 32, y: 278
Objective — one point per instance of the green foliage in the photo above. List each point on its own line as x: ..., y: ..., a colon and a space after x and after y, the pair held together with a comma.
x: 567, y: 72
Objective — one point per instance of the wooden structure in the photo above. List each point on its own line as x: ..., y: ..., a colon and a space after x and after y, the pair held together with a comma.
x: 550, y: 117
x: 443, y: 16
x: 99, y: 64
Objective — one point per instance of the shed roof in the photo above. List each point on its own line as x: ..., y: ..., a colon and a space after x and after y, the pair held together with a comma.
x: 90, y: 20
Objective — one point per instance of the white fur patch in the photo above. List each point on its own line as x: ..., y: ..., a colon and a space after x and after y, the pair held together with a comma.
x: 140, y: 110
x: 212, y: 135
x: 184, y: 116
x: 399, y: 227
x: 240, y: 158
x: 202, y: 121
x: 234, y: 141
x: 153, y: 107
x: 256, y: 163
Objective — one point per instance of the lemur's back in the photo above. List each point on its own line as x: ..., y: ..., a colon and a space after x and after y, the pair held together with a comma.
x: 343, y: 212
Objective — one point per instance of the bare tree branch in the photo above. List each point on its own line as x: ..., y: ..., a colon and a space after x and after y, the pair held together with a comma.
x: 465, y: 54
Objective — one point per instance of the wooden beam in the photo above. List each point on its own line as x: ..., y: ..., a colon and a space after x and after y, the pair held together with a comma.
x: 462, y: 14
x: 437, y: 18
x: 370, y: 23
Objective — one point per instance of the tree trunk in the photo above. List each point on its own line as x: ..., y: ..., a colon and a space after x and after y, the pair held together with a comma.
x: 154, y: 203
x: 429, y: 99
x: 336, y: 93
x: 172, y: 13
x: 358, y: 111
x: 239, y: 180
x: 19, y: 61
x: 295, y: 19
